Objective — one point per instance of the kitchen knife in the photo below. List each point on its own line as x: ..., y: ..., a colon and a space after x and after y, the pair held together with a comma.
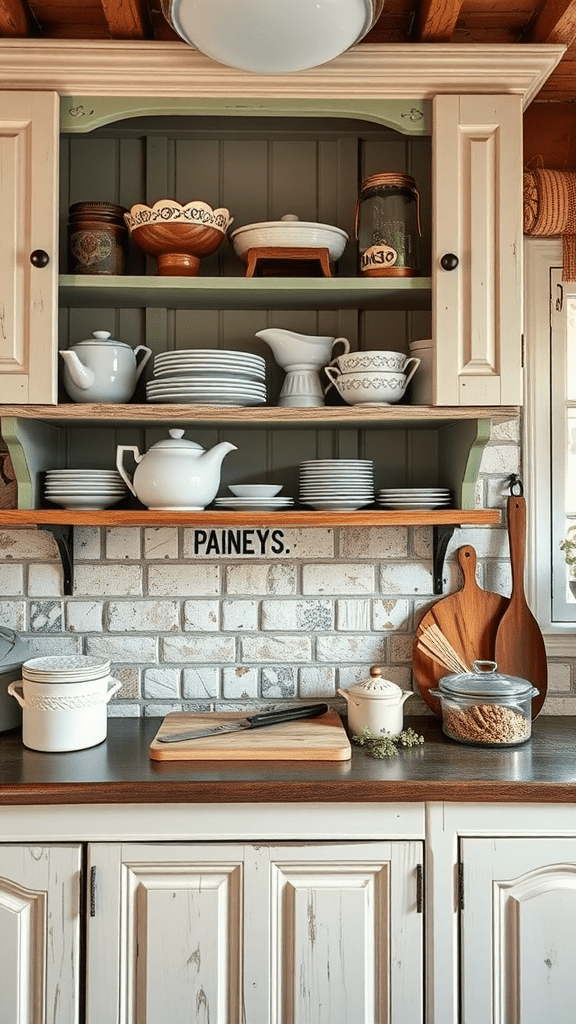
x: 252, y: 722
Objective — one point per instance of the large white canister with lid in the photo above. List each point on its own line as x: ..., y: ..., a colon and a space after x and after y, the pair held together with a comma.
x: 64, y: 702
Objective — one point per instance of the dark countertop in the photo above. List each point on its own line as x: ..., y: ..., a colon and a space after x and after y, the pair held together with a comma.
x: 120, y: 771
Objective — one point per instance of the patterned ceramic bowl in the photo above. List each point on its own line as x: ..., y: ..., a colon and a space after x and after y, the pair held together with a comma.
x: 178, y: 236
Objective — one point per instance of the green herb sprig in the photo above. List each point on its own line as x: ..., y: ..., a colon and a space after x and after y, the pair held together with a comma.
x: 387, y: 746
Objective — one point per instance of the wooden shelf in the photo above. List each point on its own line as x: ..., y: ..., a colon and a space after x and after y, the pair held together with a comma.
x: 93, y: 292
x: 273, y: 416
x: 215, y: 518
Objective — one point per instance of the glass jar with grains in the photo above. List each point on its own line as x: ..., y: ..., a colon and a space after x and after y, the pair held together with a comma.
x: 484, y: 708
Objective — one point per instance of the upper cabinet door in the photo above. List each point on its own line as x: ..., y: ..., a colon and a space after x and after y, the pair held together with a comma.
x: 477, y: 305
x: 29, y: 215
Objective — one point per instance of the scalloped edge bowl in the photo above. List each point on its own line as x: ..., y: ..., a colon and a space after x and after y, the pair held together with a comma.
x: 178, y: 235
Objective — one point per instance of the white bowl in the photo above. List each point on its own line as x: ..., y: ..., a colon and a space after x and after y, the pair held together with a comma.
x: 378, y: 388
x: 255, y: 490
x: 371, y: 359
x: 289, y: 233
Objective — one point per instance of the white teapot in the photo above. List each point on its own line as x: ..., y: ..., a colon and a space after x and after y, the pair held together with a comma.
x: 100, y: 369
x: 376, y: 704
x: 175, y: 475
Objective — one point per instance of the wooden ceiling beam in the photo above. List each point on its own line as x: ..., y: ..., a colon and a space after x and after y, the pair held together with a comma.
x: 15, y: 19
x: 128, y: 19
x: 554, y: 23
x: 435, y: 20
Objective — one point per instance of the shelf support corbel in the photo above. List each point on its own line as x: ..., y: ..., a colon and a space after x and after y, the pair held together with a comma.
x: 441, y: 536
x: 64, y: 537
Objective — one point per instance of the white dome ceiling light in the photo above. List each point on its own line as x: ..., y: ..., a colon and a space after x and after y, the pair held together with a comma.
x: 272, y: 36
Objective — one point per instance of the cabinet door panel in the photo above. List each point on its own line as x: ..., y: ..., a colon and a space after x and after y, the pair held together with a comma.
x: 39, y: 934
x: 29, y: 215
x: 347, y: 941
x: 477, y: 168
x: 518, y: 931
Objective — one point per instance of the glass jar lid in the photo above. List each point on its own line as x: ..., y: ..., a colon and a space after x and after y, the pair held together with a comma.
x: 485, y: 681
x: 375, y: 687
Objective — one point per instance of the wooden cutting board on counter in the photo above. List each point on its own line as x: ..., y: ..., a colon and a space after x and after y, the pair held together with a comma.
x: 310, y: 739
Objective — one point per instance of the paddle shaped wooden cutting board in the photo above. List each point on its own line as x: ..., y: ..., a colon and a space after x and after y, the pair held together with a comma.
x: 520, y: 649
x: 469, y: 620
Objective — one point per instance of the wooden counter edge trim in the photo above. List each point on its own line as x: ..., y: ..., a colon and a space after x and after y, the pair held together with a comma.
x: 195, y: 791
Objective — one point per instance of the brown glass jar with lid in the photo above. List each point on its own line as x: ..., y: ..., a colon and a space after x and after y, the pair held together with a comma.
x: 387, y: 226
x: 97, y: 238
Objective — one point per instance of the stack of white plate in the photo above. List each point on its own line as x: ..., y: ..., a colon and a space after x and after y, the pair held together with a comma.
x: 337, y: 484
x: 208, y: 376
x: 414, y: 497
x: 84, y: 488
x: 254, y: 504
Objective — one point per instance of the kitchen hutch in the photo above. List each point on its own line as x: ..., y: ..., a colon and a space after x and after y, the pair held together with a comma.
x: 163, y: 118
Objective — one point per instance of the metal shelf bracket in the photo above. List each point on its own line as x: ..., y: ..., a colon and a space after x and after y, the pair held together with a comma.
x: 440, y: 539
x: 64, y: 537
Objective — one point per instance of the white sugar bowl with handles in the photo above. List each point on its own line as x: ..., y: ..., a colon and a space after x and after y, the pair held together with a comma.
x: 376, y: 704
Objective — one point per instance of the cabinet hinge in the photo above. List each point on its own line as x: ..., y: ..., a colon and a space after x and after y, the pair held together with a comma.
x: 92, y: 891
x: 419, y: 889
x: 460, y: 893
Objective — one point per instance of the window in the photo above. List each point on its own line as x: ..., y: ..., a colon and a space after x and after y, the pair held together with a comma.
x: 549, y: 440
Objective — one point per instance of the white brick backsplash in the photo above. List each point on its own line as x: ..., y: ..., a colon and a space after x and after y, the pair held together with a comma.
x: 84, y: 616
x: 353, y: 616
x: 337, y: 578
x: 296, y: 615
x: 502, y: 459
x: 400, y: 647
x: 240, y: 682
x: 195, y: 649
x: 488, y: 543
x: 161, y: 682
x: 368, y: 648
x: 509, y: 430
x: 201, y: 616
x: 48, y: 647
x: 498, y: 577
x: 240, y: 615
x: 497, y: 491
x: 46, y: 616
x: 122, y: 543
x: 126, y: 710
x: 124, y: 650
x: 374, y: 542
x: 13, y: 615
x: 279, y: 681
x: 263, y: 580
x: 183, y: 580
x: 405, y: 578
x: 558, y: 677
x: 130, y: 679
x: 275, y: 648
x: 33, y: 545
x: 12, y: 580
x: 318, y: 681
x: 87, y: 543
x: 105, y: 579
x: 390, y: 615
x: 143, y: 616
x: 200, y: 683
x: 44, y: 580
x: 156, y: 710
x: 422, y: 541
x: 161, y: 542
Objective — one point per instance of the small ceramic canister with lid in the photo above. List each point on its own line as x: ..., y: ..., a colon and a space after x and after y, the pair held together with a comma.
x: 376, y: 704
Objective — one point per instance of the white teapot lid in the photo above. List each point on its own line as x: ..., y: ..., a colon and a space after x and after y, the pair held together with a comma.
x: 176, y: 440
x: 375, y: 687
x: 101, y: 338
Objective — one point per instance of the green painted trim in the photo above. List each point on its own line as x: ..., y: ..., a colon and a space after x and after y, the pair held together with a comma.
x: 34, y: 447
x: 472, y: 468
x: 85, y: 113
x: 10, y: 434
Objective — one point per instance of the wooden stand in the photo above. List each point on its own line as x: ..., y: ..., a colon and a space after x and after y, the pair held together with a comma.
x: 270, y: 261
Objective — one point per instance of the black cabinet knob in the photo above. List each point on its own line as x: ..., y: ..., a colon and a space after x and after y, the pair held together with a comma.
x: 449, y: 261
x: 39, y: 258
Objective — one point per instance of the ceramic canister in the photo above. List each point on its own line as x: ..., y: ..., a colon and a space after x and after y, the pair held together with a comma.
x: 66, y: 714
x: 97, y: 238
x: 375, y: 704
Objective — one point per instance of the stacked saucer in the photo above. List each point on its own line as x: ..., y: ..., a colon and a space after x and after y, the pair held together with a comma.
x: 414, y: 497
x: 84, y: 488
x: 74, y: 668
x: 337, y: 484
x: 255, y: 498
x: 208, y: 377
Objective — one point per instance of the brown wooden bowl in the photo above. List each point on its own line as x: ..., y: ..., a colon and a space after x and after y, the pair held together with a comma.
x: 178, y: 236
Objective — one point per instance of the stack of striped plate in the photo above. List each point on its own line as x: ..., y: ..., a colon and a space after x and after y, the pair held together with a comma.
x: 208, y: 377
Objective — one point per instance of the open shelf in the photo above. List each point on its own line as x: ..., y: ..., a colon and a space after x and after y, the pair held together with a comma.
x: 85, y: 291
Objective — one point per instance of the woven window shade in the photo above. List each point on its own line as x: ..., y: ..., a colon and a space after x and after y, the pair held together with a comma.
x: 550, y: 210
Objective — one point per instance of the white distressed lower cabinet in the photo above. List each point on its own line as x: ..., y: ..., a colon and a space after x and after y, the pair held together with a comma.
x: 313, y: 934
x: 288, y: 914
